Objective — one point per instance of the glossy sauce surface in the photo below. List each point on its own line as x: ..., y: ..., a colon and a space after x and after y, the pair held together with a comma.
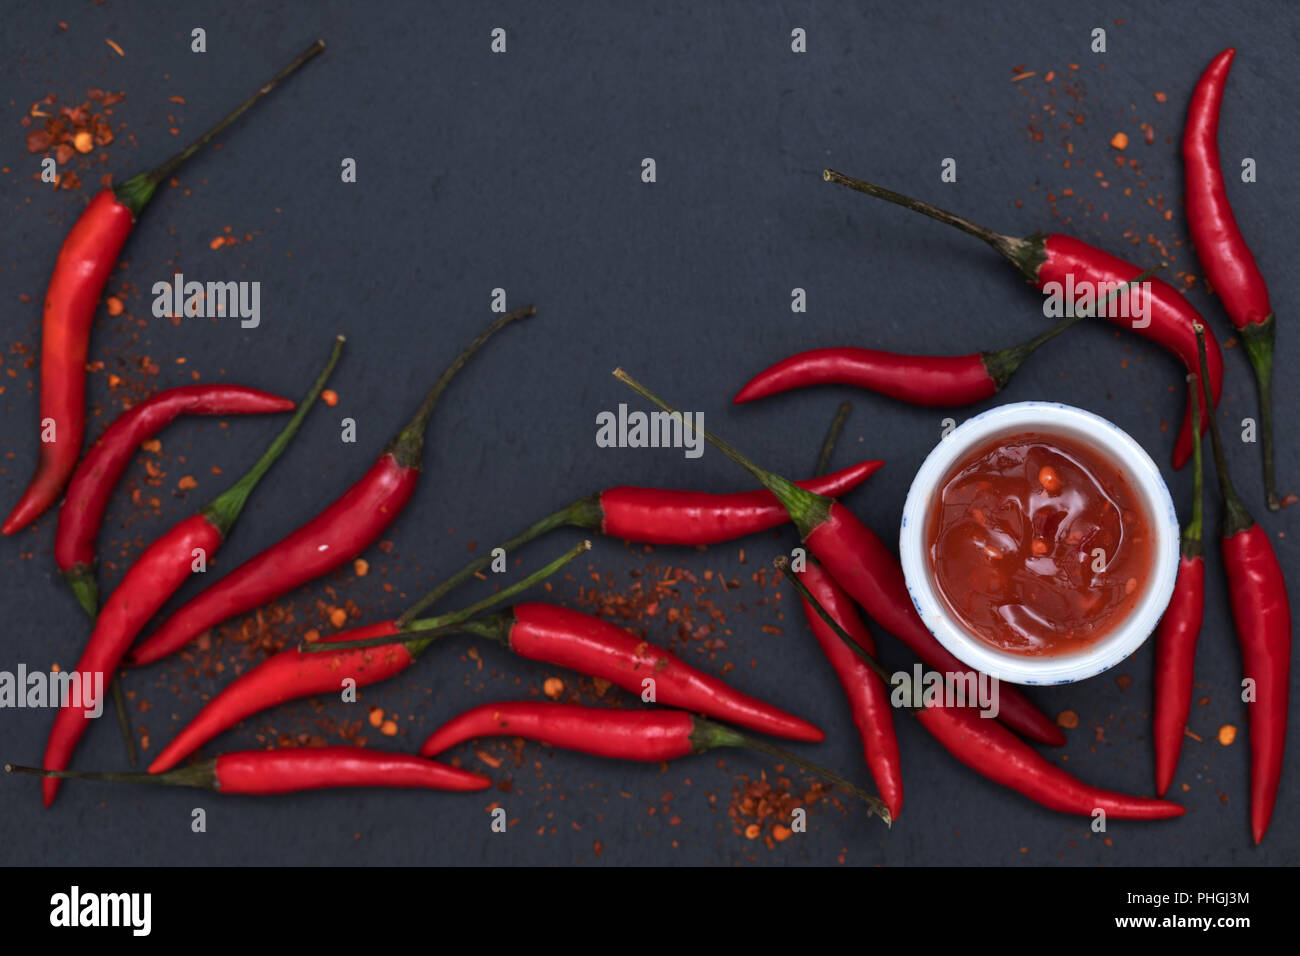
x: 1038, y: 544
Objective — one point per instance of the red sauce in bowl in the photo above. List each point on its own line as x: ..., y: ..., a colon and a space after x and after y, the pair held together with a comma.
x: 1038, y: 544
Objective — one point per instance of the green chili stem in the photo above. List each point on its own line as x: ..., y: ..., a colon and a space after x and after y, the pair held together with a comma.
x: 408, y: 446
x: 808, y: 510
x: 225, y: 508
x: 783, y: 565
x: 583, y: 513
x: 123, y: 718
x: 1025, y: 254
x: 1257, y: 338
x: 1235, y: 516
x: 136, y: 192
x: 1003, y: 363
x: 832, y: 437
x: 424, y: 630
x: 1192, y: 545
x: 202, y: 775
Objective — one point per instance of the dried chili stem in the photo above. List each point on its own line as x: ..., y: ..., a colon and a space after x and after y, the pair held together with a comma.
x: 832, y: 437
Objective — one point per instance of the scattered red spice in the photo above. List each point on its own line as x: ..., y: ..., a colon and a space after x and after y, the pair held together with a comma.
x: 762, y: 809
x: 677, y: 597
x: 68, y: 132
x: 1060, y: 119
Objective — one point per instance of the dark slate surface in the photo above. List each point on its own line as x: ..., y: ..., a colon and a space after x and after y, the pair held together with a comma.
x: 521, y: 171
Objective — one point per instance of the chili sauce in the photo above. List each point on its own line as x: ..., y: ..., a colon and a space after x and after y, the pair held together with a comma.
x: 1038, y: 544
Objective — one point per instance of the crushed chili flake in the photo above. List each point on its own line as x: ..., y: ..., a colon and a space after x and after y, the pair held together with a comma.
x: 1067, y: 719
x: 72, y: 131
x: 764, y: 808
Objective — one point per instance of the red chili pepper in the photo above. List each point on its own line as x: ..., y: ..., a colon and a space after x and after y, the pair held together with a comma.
x: 350, y: 655
x: 98, y: 474
x: 540, y: 632
x: 1261, y: 613
x: 597, y: 648
x: 661, y: 516
x: 993, y: 751
x: 260, y: 772
x: 1177, y: 634
x: 85, y: 262
x: 861, y: 563
x: 154, y: 577
x: 336, y: 535
x: 867, y: 694
x: 649, y: 735
x: 1228, y: 263
x: 1043, y: 259
x: 658, y: 516
x: 942, y: 381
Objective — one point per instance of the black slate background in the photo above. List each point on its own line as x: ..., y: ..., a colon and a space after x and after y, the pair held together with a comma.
x: 522, y: 171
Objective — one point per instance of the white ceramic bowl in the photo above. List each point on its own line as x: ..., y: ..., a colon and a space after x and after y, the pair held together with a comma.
x: 1047, y: 418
